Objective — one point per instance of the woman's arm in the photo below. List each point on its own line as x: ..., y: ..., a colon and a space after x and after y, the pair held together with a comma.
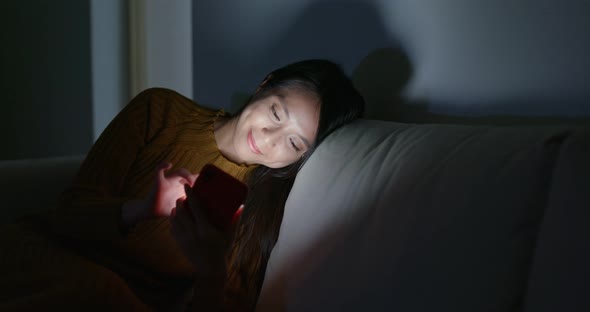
x: 91, y: 208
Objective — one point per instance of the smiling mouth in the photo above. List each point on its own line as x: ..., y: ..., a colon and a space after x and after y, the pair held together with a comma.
x: 252, y: 144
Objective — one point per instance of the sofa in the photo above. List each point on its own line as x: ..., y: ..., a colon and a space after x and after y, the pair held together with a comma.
x: 404, y: 217
x: 390, y: 216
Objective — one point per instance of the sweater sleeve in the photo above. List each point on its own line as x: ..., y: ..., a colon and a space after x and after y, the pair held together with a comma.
x: 91, y: 207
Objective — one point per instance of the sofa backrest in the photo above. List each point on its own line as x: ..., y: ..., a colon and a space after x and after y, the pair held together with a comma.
x: 560, y: 271
x: 30, y: 185
x: 397, y: 217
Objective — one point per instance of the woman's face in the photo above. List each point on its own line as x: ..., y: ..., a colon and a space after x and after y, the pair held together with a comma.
x: 277, y: 130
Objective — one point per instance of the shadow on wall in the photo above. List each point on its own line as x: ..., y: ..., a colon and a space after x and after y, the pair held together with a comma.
x: 331, y: 30
x: 342, y: 31
x: 382, y: 76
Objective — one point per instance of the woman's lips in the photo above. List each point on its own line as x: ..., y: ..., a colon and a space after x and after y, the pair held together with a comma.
x: 252, y: 144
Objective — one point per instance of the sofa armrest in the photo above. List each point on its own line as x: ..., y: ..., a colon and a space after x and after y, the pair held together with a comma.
x: 30, y: 185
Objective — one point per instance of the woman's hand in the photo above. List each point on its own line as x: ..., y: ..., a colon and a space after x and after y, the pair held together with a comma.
x: 203, y: 244
x: 168, y: 188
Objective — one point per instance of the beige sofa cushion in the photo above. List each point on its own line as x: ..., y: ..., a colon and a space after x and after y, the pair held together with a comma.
x: 396, y: 217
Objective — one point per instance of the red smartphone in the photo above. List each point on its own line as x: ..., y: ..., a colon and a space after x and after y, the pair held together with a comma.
x: 219, y: 194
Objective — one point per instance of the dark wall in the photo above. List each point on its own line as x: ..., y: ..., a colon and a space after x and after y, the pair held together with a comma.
x: 46, y: 105
x: 414, y: 61
x: 237, y: 44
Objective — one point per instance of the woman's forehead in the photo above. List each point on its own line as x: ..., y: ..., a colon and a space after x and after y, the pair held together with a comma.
x: 298, y: 96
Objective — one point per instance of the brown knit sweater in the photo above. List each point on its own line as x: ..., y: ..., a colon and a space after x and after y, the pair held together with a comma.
x: 75, y: 257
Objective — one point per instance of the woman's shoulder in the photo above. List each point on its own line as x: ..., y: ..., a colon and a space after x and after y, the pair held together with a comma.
x: 175, y: 101
x: 167, y: 96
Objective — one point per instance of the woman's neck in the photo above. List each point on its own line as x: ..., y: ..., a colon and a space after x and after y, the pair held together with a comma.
x: 224, y: 130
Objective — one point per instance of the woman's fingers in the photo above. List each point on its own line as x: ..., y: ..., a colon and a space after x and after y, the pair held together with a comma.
x: 181, y: 175
x: 162, y: 167
x: 186, y: 175
x: 237, y: 215
x: 235, y: 221
x: 193, y: 179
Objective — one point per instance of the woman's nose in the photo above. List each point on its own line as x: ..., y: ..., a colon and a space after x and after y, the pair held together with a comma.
x: 271, y: 137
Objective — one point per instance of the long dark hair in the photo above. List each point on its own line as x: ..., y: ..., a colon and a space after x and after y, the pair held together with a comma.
x: 269, y: 188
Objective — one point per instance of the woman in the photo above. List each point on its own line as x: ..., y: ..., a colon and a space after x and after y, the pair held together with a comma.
x: 118, y: 242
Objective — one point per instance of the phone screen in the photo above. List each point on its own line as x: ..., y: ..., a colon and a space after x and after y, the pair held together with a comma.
x: 219, y: 194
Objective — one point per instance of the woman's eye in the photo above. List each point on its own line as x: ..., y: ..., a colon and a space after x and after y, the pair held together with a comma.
x: 274, y: 112
x: 294, y: 145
